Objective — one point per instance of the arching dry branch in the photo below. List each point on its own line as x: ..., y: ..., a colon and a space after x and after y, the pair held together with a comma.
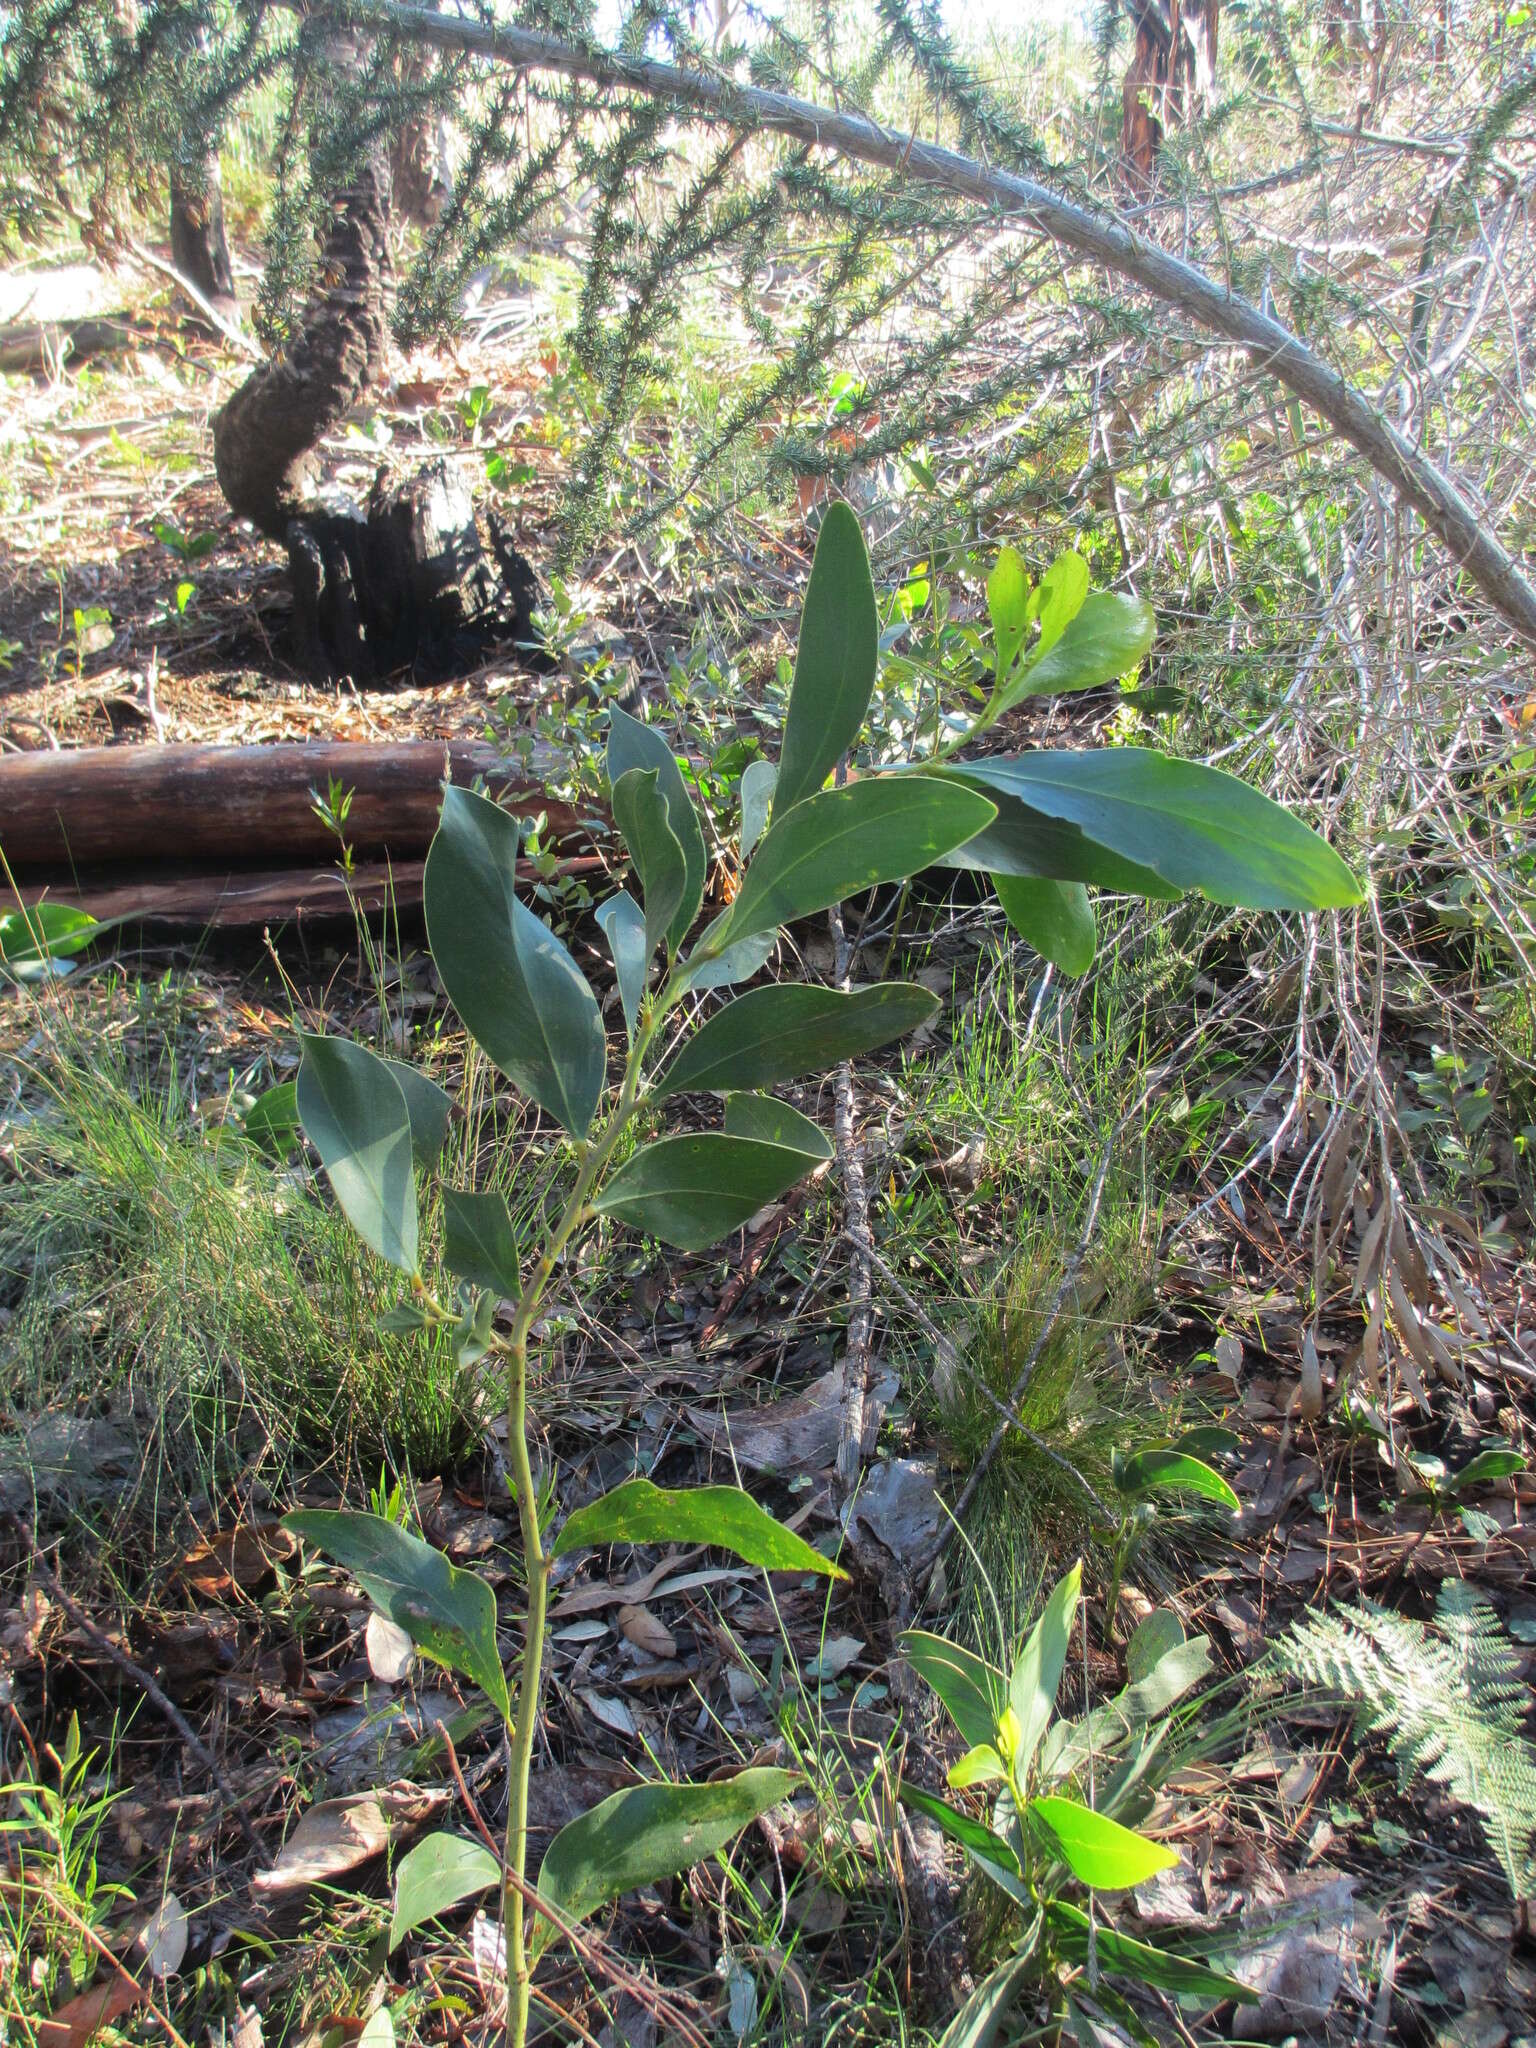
x: 1443, y: 507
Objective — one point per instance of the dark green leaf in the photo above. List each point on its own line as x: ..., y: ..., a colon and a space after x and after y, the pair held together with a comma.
x: 479, y: 1244
x: 974, y: 1691
x: 775, y: 1123
x: 435, y: 1876
x: 428, y: 1108
x: 449, y: 1615
x: 640, y: 811
x: 1108, y: 636
x: 834, y: 663
x: 1022, y: 841
x: 1156, y: 1636
x: 645, y: 1834
x: 777, y: 1033
x: 1174, y: 1472
x: 1206, y: 1440
x: 1008, y: 608
x: 723, y: 1516
x: 623, y: 924
x: 355, y: 1113
x: 830, y: 845
x: 520, y: 994
x: 1197, y: 827
x: 1037, y: 1669
x: 272, y: 1121
x: 633, y: 745
x: 690, y: 1191
x: 1055, y: 918
x: 1181, y: 1975
x: 960, y: 1827
x: 1096, y: 1849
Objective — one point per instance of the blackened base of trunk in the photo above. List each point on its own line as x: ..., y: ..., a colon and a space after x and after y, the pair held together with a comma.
x: 411, y: 589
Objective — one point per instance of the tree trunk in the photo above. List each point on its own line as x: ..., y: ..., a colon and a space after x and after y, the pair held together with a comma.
x: 198, y: 248
x: 1171, y: 78
x: 408, y: 584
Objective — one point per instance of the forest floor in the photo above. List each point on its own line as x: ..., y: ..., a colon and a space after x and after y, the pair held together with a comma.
x: 187, y: 1349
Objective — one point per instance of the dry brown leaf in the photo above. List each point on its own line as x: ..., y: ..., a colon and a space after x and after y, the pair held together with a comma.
x: 1309, y: 1395
x: 340, y: 1835
x: 642, y: 1628
x: 77, y: 2022
x: 236, y: 1560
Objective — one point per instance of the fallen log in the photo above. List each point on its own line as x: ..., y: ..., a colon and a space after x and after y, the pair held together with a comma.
x: 231, y: 902
x: 243, y: 807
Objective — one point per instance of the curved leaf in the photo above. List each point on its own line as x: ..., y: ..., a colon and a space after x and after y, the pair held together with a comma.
x: 1062, y: 593
x: 644, y: 1834
x: 1175, y: 1472
x: 1486, y: 1467
x: 1055, y: 918
x: 974, y: 1691
x: 758, y: 779
x: 1182, y: 1975
x: 479, y: 1243
x: 775, y: 1123
x: 43, y: 931
x: 1022, y: 841
x: 971, y: 1834
x: 979, y: 2022
x: 272, y: 1121
x: 736, y: 963
x: 1096, y: 1849
x: 520, y: 994
x: 623, y: 924
x: 355, y: 1114
x: 830, y: 845
x: 434, y: 1877
x: 723, y: 1516
x: 1008, y: 608
x: 1107, y: 636
x: 633, y: 745
x: 778, y: 1033
x: 982, y: 1765
x: 449, y: 1615
x: 834, y: 662
x: 1037, y: 1669
x: 640, y: 811
x: 428, y: 1108
x: 689, y: 1191
x: 1196, y: 827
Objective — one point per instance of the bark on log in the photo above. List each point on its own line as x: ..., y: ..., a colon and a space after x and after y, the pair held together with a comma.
x: 1097, y: 236
x: 231, y: 807
x: 1171, y: 77
x: 234, y: 902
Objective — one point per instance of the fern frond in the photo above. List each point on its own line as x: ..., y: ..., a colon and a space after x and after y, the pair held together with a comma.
x: 1448, y: 1699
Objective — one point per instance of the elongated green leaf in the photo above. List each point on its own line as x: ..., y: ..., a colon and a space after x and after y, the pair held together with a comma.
x: 428, y: 1108
x: 757, y: 785
x: 982, y: 1765
x: 1097, y: 1850
x: 1055, y: 918
x: 633, y: 745
x: 1156, y: 1637
x: 692, y: 1190
x: 521, y: 995
x: 1206, y: 1440
x: 645, y: 1834
x: 434, y: 1877
x: 1485, y: 1468
x: 1196, y: 827
x: 479, y: 1244
x: 1174, y: 1472
x: 846, y: 839
x: 974, y: 1691
x: 623, y: 924
x: 775, y: 1123
x: 1008, y: 608
x: 1126, y: 1957
x: 641, y: 814
x: 43, y: 931
x: 834, y: 663
x: 1062, y: 593
x: 725, y: 1516
x: 1022, y: 841
x: 449, y: 1615
x: 971, y: 1834
x: 979, y: 2022
x: 1037, y: 1670
x: 778, y: 1033
x: 1104, y: 639
x: 1069, y: 1744
x: 355, y: 1113
x: 736, y: 963
x: 272, y: 1121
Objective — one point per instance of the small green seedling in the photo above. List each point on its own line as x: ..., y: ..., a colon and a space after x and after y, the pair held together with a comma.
x: 1041, y: 1834
x: 1444, y: 1491
x: 1148, y: 1479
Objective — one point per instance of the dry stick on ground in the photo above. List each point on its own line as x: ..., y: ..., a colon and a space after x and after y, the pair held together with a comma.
x: 150, y: 1687
x: 1100, y: 238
